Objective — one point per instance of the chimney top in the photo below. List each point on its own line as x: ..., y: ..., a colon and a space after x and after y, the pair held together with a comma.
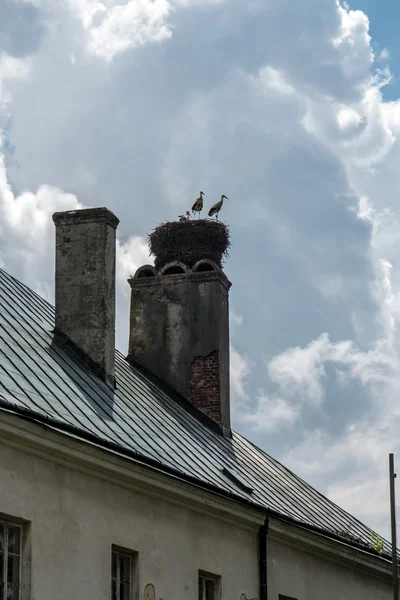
x: 86, y: 215
x: 189, y: 241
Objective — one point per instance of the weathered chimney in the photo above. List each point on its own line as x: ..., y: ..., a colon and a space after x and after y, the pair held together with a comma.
x: 179, y: 322
x: 85, y: 283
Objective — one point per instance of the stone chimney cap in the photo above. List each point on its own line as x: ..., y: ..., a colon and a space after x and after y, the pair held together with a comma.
x: 86, y: 215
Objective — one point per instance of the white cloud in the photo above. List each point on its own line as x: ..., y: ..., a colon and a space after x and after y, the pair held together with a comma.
x: 354, y: 42
x: 272, y: 414
x: 274, y: 80
x: 348, y: 118
x: 27, y: 230
x: 110, y: 27
x: 264, y: 414
x: 331, y: 285
x: 300, y: 372
x: 384, y: 54
x: 239, y: 370
x: 235, y: 319
x: 131, y: 255
x: 86, y: 10
x: 114, y: 27
x: 11, y: 68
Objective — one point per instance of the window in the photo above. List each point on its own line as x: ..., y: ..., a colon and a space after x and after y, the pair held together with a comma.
x: 123, y: 563
x: 208, y: 586
x: 10, y: 561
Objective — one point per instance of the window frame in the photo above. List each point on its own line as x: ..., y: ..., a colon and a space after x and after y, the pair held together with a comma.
x: 7, y: 523
x: 216, y: 579
x: 133, y: 557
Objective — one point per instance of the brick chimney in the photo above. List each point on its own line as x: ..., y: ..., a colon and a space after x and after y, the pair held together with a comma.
x: 179, y: 320
x: 85, y: 284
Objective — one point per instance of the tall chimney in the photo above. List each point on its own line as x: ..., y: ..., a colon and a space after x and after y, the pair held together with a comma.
x: 85, y: 283
x: 179, y: 321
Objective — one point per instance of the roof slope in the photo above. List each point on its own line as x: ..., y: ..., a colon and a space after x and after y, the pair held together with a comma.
x: 141, y: 419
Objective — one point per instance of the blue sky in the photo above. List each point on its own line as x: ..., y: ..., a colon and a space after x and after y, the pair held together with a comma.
x: 289, y: 108
x: 384, y: 16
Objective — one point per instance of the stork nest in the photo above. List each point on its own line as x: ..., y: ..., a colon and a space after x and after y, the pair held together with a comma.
x: 189, y: 241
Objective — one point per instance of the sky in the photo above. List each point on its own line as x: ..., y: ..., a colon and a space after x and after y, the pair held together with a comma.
x: 292, y: 110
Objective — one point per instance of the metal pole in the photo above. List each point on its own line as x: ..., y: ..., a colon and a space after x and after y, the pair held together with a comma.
x: 392, y: 475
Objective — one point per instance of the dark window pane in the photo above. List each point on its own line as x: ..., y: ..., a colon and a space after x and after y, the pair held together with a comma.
x: 201, y: 588
x: 1, y: 538
x: 125, y: 589
x: 125, y: 568
x: 209, y: 589
x: 12, y: 592
x: 114, y: 562
x: 13, y: 569
x: 1, y: 571
x: 14, y: 539
x: 114, y: 590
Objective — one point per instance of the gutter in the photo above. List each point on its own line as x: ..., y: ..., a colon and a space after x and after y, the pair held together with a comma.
x: 329, y: 534
x: 262, y: 560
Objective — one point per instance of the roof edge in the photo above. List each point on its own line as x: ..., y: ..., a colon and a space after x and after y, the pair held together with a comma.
x: 320, y: 542
x: 329, y: 534
x: 53, y: 423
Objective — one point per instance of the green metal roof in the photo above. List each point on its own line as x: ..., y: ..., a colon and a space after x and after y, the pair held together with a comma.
x: 43, y: 378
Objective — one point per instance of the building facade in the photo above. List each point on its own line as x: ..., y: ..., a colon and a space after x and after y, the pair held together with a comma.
x: 120, y: 476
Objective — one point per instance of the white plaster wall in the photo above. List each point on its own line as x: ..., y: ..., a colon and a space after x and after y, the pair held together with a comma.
x: 75, y: 518
x: 304, y: 576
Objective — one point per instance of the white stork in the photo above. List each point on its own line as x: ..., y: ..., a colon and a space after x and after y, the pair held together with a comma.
x: 198, y: 205
x: 214, y: 210
x: 185, y: 217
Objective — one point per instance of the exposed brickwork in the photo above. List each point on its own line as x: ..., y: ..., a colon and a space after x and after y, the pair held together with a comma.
x: 204, y: 389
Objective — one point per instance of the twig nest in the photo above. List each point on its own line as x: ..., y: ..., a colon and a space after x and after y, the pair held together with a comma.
x: 189, y: 241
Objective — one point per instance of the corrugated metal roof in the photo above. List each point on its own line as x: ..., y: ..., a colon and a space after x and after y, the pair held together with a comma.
x: 142, y: 419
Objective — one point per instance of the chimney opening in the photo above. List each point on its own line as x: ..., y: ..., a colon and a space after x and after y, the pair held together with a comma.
x: 145, y: 271
x: 173, y: 271
x: 174, y: 268
x: 203, y: 266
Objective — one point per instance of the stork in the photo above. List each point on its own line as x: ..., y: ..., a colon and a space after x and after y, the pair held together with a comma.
x: 198, y: 205
x: 214, y: 210
x: 185, y: 217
